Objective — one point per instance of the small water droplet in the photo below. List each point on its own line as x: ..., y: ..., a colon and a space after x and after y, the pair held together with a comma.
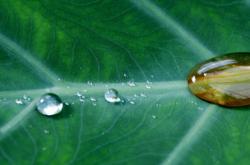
x: 81, y: 100
x: 19, y: 101
x: 125, y: 75
x: 90, y: 83
x: 148, y: 87
x: 158, y: 105
x: 112, y: 96
x: 93, y: 99
x: 135, y: 95
x: 46, y: 131
x: 49, y: 104
x: 66, y: 103
x: 131, y: 102
x: 78, y: 94
x: 26, y: 98
x: 131, y: 83
x: 94, y: 104
x: 153, y: 116
x: 148, y: 82
x: 143, y: 95
x: 152, y: 76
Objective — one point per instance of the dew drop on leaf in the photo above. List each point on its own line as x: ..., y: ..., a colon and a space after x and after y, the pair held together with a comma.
x: 143, y: 95
x: 81, y: 100
x: 125, y: 75
x: 46, y: 131
x: 90, y: 83
x: 112, y: 96
x: 131, y: 83
x: 131, y: 102
x: 223, y: 80
x: 19, y: 101
x: 93, y: 99
x: 49, y: 104
x: 78, y: 94
x: 153, y: 116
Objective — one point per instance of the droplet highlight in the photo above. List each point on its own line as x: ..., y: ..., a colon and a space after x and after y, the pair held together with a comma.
x: 112, y: 96
x: 49, y: 104
x: 19, y: 101
x: 131, y: 83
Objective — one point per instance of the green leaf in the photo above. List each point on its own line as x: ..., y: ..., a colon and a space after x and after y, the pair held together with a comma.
x: 58, y: 46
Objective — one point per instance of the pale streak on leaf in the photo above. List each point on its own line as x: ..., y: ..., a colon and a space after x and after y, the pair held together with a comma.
x: 14, y: 49
x: 5, y: 129
x: 69, y: 88
x: 169, y: 23
x: 193, y: 134
x: 197, y: 47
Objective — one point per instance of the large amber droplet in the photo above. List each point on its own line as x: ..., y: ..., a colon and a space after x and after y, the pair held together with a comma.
x: 223, y: 80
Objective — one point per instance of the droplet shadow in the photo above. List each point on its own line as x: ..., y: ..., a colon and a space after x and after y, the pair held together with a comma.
x: 243, y: 108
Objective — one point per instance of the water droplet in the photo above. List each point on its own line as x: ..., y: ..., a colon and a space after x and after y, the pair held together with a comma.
x: 135, y: 95
x: 46, y: 131
x: 90, y: 83
x: 153, y: 116
x: 78, y: 94
x: 94, y: 104
x: 222, y: 80
x: 26, y: 98
x: 66, y: 103
x: 49, y: 104
x: 147, y: 86
x: 19, y: 101
x: 112, y: 96
x: 93, y: 99
x: 132, y: 102
x: 157, y: 105
x: 148, y: 82
x: 125, y: 75
x: 131, y: 83
x: 81, y: 100
x: 143, y: 95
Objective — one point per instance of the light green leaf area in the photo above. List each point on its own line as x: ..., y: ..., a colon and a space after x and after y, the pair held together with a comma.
x: 59, y: 45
